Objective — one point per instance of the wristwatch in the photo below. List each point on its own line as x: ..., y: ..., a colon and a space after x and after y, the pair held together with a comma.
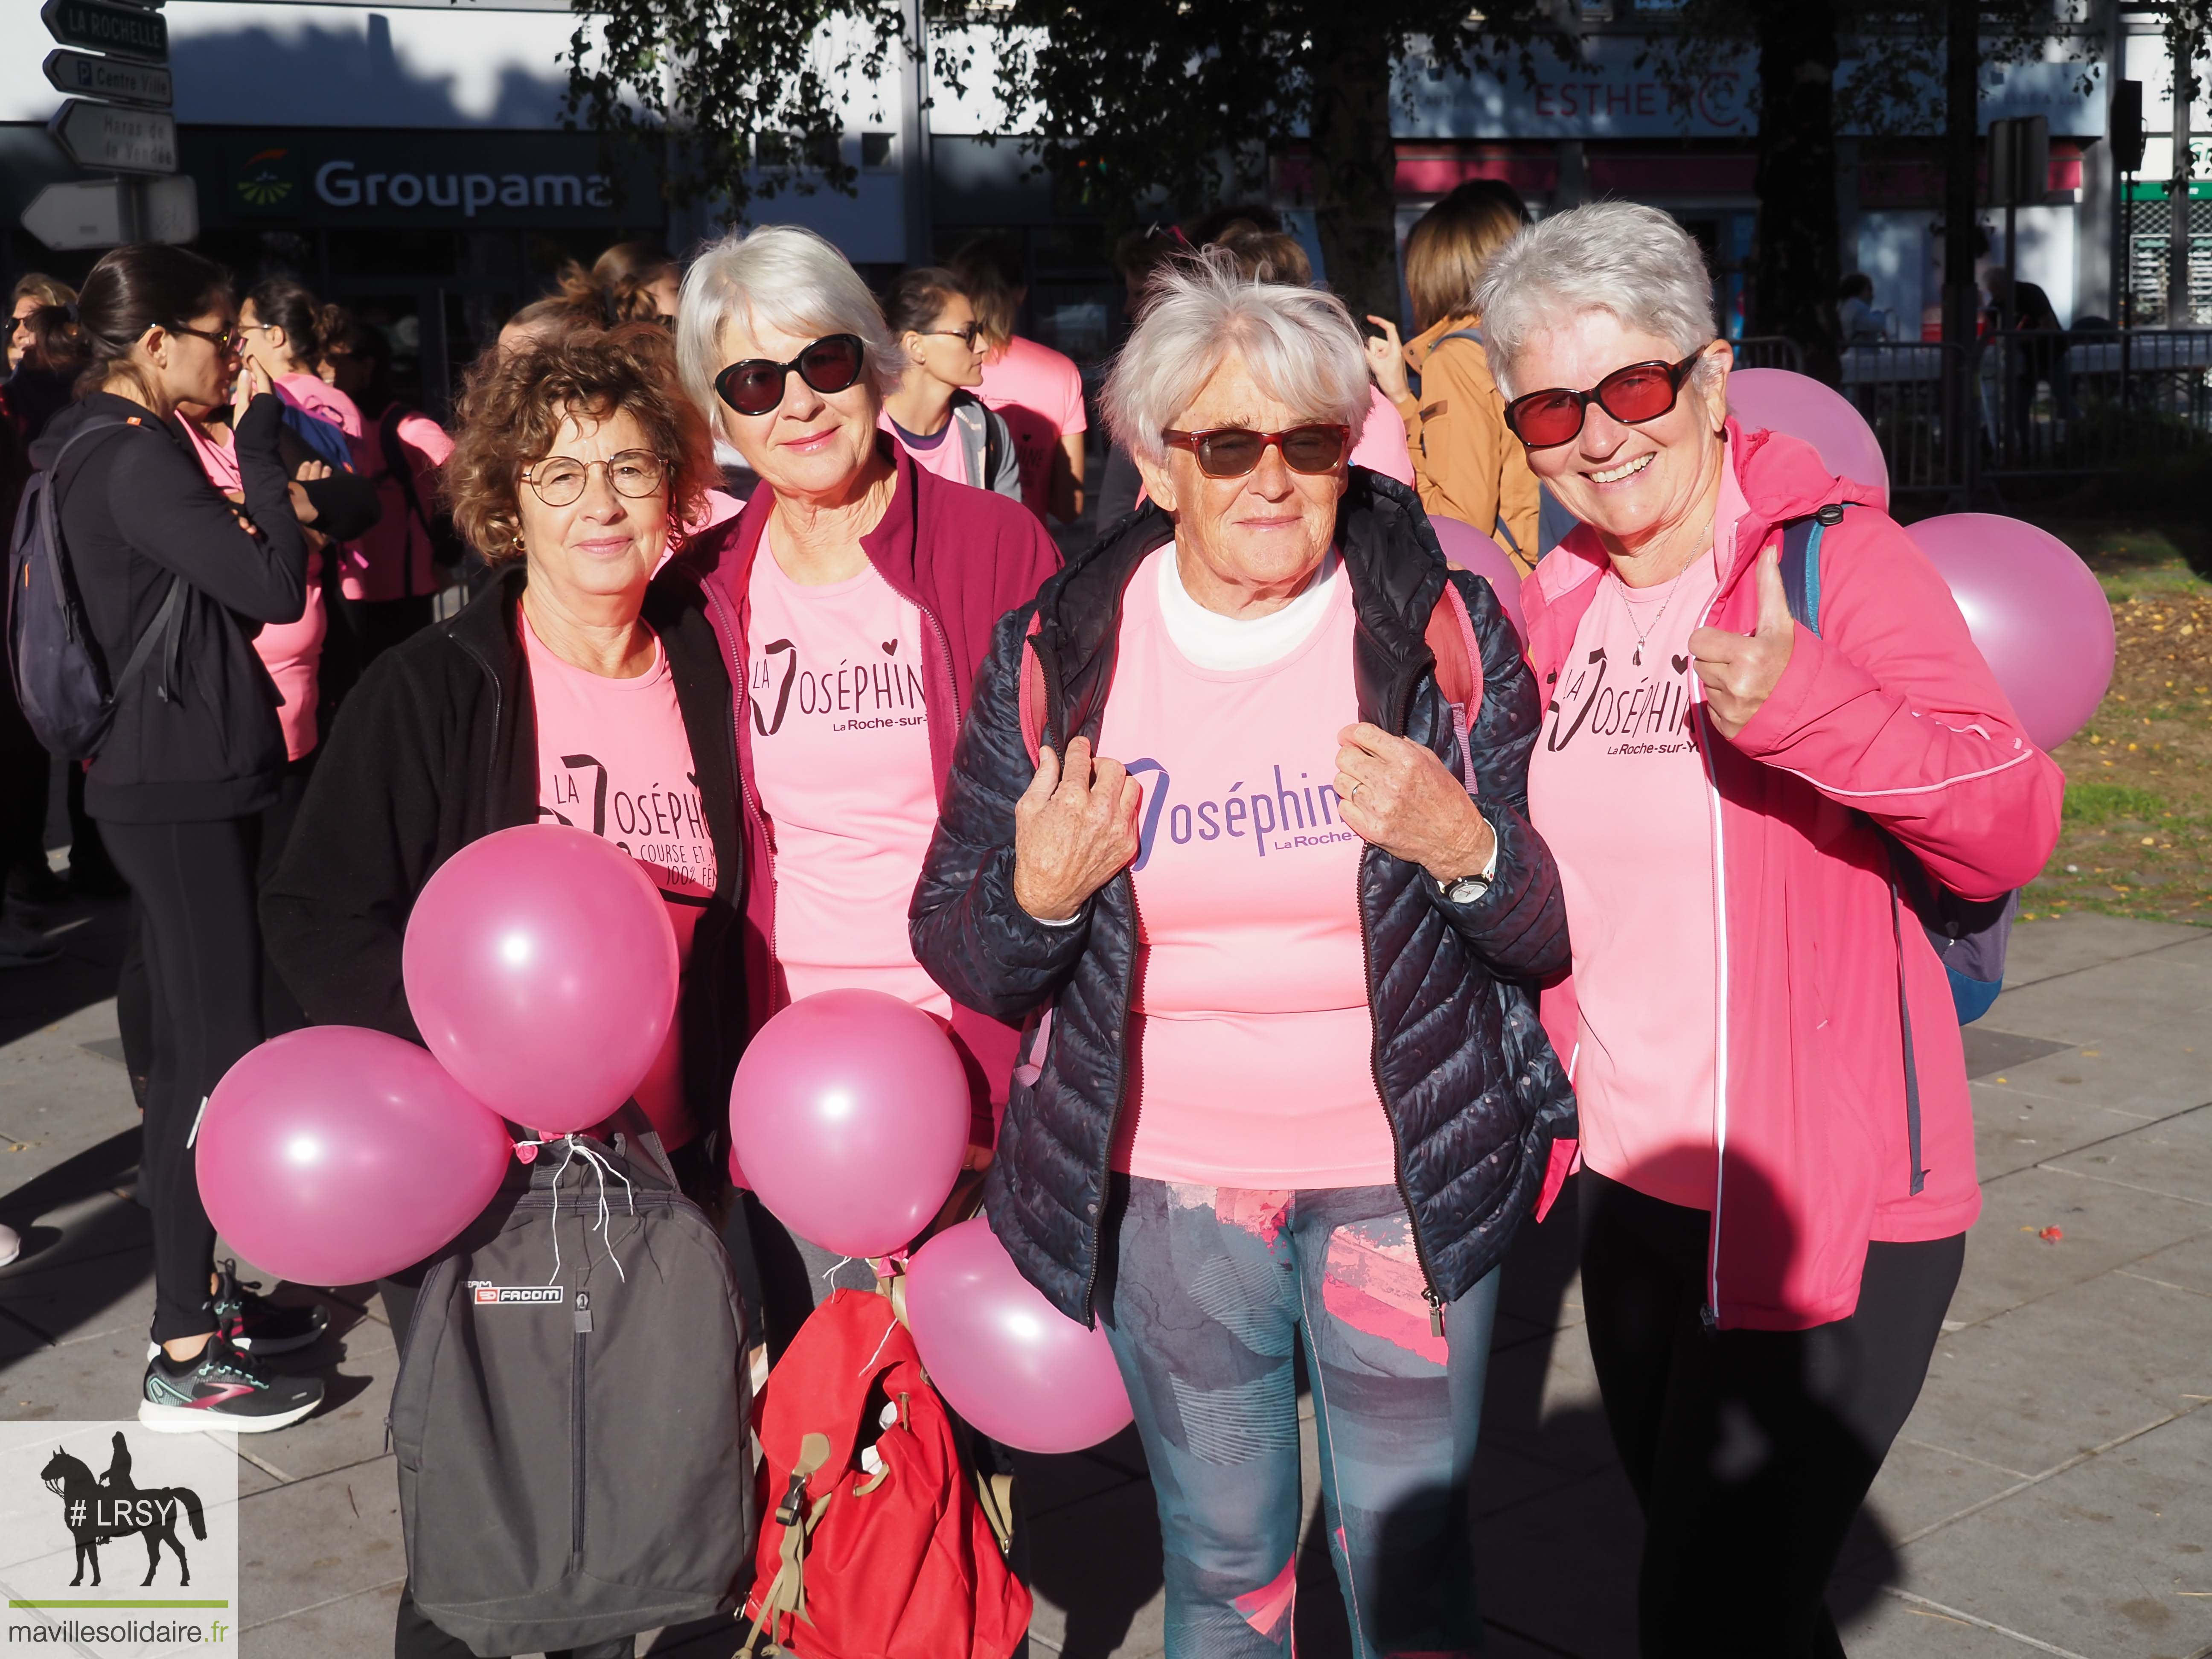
x: 1465, y: 890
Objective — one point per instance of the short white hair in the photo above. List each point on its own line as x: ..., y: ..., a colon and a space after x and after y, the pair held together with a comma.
x: 1629, y: 261
x: 1299, y: 344
x: 788, y: 278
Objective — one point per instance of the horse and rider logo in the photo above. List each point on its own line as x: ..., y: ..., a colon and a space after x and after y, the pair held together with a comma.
x: 99, y: 1510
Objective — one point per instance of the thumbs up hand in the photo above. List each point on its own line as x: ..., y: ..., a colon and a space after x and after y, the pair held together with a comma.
x: 1740, y: 672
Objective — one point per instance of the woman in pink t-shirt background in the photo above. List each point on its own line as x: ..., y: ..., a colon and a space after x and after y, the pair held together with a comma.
x: 578, y: 687
x: 1779, y: 1170
x: 855, y: 596
x: 1285, y: 1088
x: 933, y: 413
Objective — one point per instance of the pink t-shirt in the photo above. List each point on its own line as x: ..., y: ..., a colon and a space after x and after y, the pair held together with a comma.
x: 1040, y: 392
x: 613, y: 759
x: 1380, y: 444
x: 1254, y: 1043
x: 1617, y: 786
x: 292, y: 652
x: 943, y: 454
x: 392, y: 559
x: 841, y: 763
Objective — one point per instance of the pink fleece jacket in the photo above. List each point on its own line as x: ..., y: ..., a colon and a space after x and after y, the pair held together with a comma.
x: 1888, y: 715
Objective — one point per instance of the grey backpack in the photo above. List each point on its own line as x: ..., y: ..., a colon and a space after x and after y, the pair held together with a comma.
x: 573, y: 1411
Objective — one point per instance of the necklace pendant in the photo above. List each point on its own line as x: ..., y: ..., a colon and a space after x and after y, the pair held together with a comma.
x: 1637, y: 661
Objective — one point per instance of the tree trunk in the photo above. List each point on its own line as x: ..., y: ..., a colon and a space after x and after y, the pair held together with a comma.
x: 1962, y: 46
x: 1355, y: 167
x: 1795, y: 280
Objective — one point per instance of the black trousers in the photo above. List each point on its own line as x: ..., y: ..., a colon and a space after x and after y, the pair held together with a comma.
x: 194, y: 885
x: 1750, y: 1451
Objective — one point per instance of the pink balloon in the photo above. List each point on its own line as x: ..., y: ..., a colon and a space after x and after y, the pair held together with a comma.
x: 1783, y: 401
x: 1002, y: 1356
x: 541, y: 969
x: 2037, y: 614
x: 337, y: 1155
x: 849, y: 1116
x: 1469, y: 548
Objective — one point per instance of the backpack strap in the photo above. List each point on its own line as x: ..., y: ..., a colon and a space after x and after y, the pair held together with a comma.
x: 785, y: 1598
x: 168, y: 627
x: 1801, y: 585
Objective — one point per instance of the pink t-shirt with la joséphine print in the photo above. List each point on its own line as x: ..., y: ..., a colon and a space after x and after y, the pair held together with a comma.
x: 613, y: 759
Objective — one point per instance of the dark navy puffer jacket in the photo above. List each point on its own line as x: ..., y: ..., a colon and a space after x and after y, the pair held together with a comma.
x: 1474, y: 1093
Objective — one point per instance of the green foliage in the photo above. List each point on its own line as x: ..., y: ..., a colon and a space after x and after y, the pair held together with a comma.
x: 2102, y: 803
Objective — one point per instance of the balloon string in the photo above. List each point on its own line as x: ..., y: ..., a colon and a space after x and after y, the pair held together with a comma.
x: 571, y: 1146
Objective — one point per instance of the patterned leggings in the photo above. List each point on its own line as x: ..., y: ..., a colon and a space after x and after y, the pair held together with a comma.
x: 1204, y: 1292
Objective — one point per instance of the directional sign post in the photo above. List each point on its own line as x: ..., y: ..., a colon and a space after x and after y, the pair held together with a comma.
x: 122, y: 30
x: 103, y: 136
x: 117, y: 79
x: 106, y: 212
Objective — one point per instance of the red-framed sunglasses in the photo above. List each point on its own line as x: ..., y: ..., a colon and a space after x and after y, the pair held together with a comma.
x: 1641, y: 392
x: 1233, y: 451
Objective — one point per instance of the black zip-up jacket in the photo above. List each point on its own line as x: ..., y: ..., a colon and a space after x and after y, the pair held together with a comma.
x: 195, y: 737
x: 1473, y: 1092
x: 437, y: 747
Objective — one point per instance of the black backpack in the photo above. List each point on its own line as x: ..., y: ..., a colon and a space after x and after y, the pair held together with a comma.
x: 60, y: 677
x: 573, y: 1411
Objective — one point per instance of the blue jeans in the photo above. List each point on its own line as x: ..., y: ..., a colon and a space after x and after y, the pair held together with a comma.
x: 1203, y: 1293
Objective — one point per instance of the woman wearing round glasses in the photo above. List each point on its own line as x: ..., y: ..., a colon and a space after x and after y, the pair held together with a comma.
x: 1777, y: 1138
x: 856, y: 596
x: 936, y: 418
x: 1240, y: 808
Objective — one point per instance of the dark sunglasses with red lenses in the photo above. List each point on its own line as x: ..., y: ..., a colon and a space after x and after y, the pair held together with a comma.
x: 755, y: 386
x: 1641, y: 392
x: 1232, y: 452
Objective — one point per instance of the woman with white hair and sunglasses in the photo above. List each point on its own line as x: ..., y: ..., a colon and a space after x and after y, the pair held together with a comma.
x: 1277, y: 954
x: 854, y: 597
x: 1753, y: 780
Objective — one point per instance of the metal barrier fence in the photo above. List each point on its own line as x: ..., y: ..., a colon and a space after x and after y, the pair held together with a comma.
x: 2037, y: 405
x: 1769, y: 351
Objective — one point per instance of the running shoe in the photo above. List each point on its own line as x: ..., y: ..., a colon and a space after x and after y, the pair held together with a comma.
x: 256, y: 1325
x: 11, y: 1245
x: 225, y: 1389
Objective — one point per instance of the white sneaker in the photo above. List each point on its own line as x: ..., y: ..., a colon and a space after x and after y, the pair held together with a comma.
x: 11, y: 1245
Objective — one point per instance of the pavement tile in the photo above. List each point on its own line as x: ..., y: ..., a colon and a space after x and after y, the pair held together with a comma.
x: 2171, y: 1158
x: 1560, y: 1571
x: 2104, y: 1226
x: 1095, y: 1598
x: 308, y: 1543
x: 2148, y: 1070
x: 2016, y: 1126
x: 2155, y: 1001
x: 2048, y: 947
x: 1542, y: 1403
x: 2187, y: 1266
x: 1919, y: 1486
x: 1989, y: 1050
x: 357, y: 1625
x: 2094, y: 1559
x: 2035, y: 1385
x: 1883, y: 1626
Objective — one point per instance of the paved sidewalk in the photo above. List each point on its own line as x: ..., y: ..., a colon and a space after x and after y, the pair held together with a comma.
x: 2052, y: 1494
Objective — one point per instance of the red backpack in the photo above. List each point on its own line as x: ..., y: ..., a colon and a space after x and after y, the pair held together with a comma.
x: 877, y: 1546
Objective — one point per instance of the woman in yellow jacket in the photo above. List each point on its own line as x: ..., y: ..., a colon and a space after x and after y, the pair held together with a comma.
x: 1467, y: 466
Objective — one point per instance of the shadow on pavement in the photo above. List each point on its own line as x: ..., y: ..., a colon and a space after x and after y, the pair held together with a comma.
x: 91, y: 932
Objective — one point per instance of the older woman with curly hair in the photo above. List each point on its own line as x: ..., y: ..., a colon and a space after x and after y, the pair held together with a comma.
x: 577, y: 688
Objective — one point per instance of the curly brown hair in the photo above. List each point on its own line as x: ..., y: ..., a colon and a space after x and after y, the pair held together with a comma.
x: 510, y: 413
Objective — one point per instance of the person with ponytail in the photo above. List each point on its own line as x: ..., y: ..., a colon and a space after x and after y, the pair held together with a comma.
x: 194, y: 753
x: 280, y: 330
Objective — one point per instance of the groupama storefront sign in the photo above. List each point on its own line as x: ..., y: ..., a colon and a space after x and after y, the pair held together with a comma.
x: 419, y: 179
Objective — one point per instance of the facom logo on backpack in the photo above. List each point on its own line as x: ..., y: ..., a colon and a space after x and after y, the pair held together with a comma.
x: 61, y: 679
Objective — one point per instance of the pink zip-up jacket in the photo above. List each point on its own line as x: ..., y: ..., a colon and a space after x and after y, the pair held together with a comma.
x: 964, y: 557
x: 1888, y: 715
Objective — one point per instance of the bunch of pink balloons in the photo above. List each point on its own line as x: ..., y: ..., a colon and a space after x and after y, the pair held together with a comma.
x: 1783, y: 401
x: 1002, y: 1356
x: 848, y: 1116
x: 1469, y: 548
x: 335, y: 1155
x: 2036, y: 613
x: 542, y: 970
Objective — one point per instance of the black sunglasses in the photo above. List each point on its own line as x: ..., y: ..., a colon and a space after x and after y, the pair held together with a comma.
x: 1234, y: 451
x: 225, y: 341
x: 755, y: 386
x: 1639, y: 392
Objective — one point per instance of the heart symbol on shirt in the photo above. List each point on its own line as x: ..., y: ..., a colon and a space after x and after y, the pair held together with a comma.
x: 1681, y: 663
x: 891, y: 648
